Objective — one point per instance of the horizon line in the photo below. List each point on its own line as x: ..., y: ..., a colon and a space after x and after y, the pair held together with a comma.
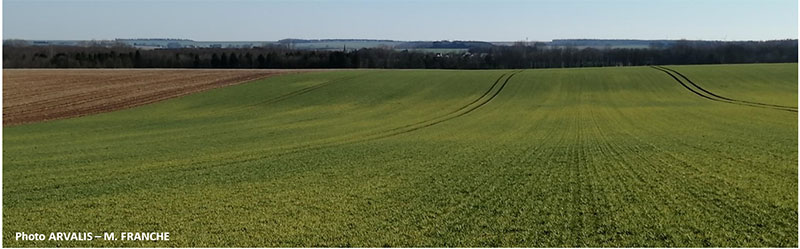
x: 378, y: 39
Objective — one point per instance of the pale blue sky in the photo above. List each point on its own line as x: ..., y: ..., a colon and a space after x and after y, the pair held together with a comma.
x: 401, y: 20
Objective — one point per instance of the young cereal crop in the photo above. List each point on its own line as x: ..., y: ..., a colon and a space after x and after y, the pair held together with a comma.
x: 626, y: 157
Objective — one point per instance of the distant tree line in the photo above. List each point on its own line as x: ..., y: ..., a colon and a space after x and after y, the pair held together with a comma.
x: 519, y: 55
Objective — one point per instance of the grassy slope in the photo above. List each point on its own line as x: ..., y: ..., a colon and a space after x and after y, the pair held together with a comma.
x: 577, y: 157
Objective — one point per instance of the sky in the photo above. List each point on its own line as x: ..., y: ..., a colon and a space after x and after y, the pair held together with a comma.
x: 499, y: 20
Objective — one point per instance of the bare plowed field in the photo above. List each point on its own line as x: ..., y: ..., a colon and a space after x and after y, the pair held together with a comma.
x: 32, y: 95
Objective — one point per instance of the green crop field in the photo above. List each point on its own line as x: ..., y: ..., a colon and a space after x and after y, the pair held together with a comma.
x: 632, y: 156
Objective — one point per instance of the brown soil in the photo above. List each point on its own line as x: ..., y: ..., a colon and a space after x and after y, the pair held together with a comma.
x: 33, y: 95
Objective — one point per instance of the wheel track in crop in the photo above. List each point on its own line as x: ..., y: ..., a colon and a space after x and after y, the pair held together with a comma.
x: 454, y: 114
x: 413, y: 127
x: 457, y: 110
x: 473, y: 105
x: 714, y: 97
x: 250, y: 156
x: 194, y: 164
x: 470, y: 107
x: 725, y: 98
x: 303, y: 91
x: 379, y: 134
x: 291, y: 94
